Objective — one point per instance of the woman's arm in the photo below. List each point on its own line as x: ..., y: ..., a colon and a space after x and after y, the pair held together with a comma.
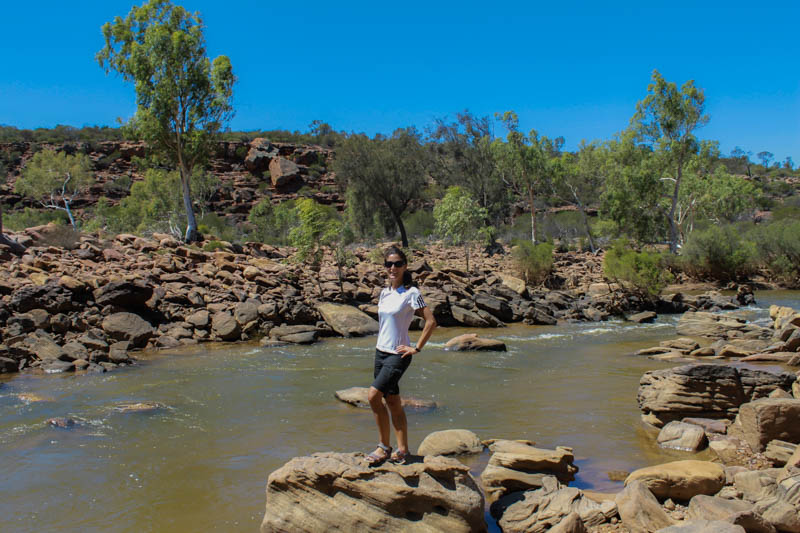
x: 430, y: 325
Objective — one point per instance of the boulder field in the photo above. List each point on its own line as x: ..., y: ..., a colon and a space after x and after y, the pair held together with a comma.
x: 528, y: 489
x: 85, y: 302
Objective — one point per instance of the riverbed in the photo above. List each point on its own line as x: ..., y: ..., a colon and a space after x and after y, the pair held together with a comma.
x: 233, y: 413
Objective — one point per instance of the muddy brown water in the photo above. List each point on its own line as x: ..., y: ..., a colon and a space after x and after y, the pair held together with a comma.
x: 233, y: 414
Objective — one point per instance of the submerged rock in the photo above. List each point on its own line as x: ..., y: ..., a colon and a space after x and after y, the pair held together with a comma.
x: 358, y: 396
x: 471, y: 342
x: 339, y: 491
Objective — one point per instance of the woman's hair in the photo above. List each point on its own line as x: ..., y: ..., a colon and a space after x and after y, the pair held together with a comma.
x: 395, y: 250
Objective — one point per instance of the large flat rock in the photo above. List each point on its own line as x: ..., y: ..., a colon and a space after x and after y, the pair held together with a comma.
x: 681, y: 480
x: 347, y: 320
x: 340, y: 492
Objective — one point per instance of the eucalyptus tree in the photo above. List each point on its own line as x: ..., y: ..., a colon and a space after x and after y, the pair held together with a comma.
x: 463, y: 157
x: 667, y: 120
x: 183, y: 99
x: 459, y: 218
x: 383, y: 174
x: 579, y: 180
x: 526, y: 162
x: 54, y: 179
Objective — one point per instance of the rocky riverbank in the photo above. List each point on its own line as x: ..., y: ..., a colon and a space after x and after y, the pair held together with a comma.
x: 89, y: 304
x: 747, y: 416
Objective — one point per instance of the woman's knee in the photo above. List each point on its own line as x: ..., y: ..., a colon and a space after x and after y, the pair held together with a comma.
x: 375, y: 398
x: 394, y: 403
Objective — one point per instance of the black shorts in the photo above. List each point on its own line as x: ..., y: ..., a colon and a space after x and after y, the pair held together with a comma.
x: 389, y: 368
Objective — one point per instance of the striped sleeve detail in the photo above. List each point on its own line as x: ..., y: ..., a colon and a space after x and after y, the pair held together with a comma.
x: 416, y: 300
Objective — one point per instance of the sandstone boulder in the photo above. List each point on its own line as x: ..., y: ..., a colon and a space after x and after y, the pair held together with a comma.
x: 468, y: 318
x: 347, y: 320
x: 282, y: 171
x: 681, y: 480
x: 338, y: 491
x: 714, y: 508
x: 767, y: 419
x: 450, y: 442
x: 471, y: 342
x: 704, y: 390
x: 639, y: 510
x: 128, y: 327
x: 516, y: 466
x: 123, y: 294
x: 259, y: 155
x: 704, y: 324
x: 225, y: 326
x: 704, y: 526
x: 645, y: 317
x: 682, y: 436
x: 549, y: 509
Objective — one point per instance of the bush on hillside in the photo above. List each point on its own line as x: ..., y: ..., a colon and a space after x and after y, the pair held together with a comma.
x: 643, y: 272
x: 718, y: 253
x: 778, y: 248
x: 534, y: 261
x: 29, y: 217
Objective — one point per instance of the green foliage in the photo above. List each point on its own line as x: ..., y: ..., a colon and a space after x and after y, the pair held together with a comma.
x: 318, y: 228
x: 778, y: 248
x: 534, y: 261
x: 271, y: 224
x: 666, y: 121
x: 60, y: 134
x: 420, y: 223
x: 382, y: 175
x: 463, y: 156
x: 719, y: 253
x: 54, y: 179
x: 459, y: 218
x: 119, y: 186
x: 526, y: 162
x: 182, y: 98
x: 212, y: 246
x: 643, y: 272
x: 28, y: 218
x: 219, y: 227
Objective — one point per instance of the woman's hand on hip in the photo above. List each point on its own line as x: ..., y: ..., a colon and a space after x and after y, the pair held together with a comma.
x: 404, y: 350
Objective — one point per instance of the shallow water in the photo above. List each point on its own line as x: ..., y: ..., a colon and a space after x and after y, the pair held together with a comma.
x: 234, y: 414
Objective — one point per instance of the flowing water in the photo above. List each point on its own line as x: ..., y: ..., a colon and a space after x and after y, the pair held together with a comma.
x: 233, y: 414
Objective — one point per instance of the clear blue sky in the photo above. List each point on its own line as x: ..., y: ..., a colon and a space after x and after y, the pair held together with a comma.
x: 575, y: 69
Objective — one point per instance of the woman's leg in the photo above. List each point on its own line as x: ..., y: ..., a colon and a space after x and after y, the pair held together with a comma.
x: 399, y: 421
x: 381, y: 416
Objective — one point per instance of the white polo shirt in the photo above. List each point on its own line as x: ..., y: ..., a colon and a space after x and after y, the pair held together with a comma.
x: 396, y: 311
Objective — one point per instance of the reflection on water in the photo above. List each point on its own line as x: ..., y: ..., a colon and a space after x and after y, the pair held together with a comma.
x: 232, y: 414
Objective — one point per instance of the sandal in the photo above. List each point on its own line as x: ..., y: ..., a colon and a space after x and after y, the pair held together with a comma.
x: 399, y: 457
x: 374, y: 459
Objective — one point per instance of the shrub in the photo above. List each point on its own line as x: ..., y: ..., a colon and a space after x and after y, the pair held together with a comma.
x: 28, y: 217
x: 534, y: 261
x: 718, y: 253
x: 217, y: 226
x: 643, y: 272
x: 212, y: 246
x: 271, y: 224
x: 778, y: 248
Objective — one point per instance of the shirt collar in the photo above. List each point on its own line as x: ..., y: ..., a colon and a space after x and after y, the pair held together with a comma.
x: 401, y: 289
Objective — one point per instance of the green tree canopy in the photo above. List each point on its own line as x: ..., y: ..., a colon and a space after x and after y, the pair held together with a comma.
x: 666, y: 121
x: 318, y: 228
x: 459, y: 217
x: 526, y: 162
x: 463, y: 156
x: 383, y: 174
x: 55, y: 178
x: 579, y: 180
x: 182, y: 98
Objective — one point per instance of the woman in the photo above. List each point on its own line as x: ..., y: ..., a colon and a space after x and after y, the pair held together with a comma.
x: 398, y: 304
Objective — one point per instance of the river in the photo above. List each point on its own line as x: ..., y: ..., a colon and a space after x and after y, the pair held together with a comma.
x: 234, y: 413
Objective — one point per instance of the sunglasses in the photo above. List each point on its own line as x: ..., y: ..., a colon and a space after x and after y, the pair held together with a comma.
x: 390, y: 264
